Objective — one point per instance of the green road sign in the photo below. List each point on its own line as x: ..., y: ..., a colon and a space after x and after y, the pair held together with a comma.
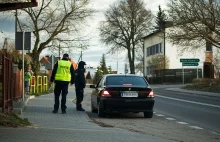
x: 193, y: 60
x: 190, y: 64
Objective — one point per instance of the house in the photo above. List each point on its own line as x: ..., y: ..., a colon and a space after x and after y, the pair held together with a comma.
x: 156, y: 43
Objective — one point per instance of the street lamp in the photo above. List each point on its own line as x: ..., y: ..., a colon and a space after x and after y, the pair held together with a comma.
x: 164, y: 49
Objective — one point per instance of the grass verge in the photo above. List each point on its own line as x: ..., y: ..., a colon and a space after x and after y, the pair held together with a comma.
x: 202, y: 87
x: 12, y: 120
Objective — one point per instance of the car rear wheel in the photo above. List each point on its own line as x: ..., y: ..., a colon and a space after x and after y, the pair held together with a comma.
x: 94, y: 110
x: 101, y: 112
x: 148, y: 114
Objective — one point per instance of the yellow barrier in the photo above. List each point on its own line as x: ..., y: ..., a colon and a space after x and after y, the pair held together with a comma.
x: 39, y: 84
x: 32, y: 84
x: 45, y: 83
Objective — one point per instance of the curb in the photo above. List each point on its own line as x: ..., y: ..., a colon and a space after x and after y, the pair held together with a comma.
x: 19, y: 105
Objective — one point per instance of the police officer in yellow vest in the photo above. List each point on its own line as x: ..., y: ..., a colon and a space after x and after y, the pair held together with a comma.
x: 62, y: 75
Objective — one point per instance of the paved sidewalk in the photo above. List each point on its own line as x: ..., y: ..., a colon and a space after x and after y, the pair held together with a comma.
x: 71, y: 127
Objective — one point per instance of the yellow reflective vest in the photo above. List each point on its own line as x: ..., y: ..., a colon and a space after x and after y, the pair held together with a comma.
x: 63, y: 71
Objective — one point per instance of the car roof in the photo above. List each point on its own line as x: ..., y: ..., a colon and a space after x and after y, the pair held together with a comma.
x: 134, y: 75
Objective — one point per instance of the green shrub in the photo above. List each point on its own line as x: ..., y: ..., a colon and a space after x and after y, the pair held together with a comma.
x: 202, y: 81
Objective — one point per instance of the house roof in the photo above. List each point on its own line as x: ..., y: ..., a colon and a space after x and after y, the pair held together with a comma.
x: 151, y: 34
x: 44, y: 60
x: 168, y: 24
x: 17, y: 4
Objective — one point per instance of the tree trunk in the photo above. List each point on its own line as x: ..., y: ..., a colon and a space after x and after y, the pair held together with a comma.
x: 131, y: 62
x: 35, y: 63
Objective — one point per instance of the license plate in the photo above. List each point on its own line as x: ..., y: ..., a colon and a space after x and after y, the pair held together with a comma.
x: 129, y: 94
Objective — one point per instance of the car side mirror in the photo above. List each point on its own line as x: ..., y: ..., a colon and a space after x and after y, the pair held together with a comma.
x: 92, y: 86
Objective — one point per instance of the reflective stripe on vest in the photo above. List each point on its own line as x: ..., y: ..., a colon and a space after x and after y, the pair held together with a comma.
x: 63, y: 71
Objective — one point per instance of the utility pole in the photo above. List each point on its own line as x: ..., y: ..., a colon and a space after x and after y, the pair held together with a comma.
x: 59, y: 50
x: 164, y: 48
x: 143, y: 68
x: 117, y: 61
x: 80, y: 57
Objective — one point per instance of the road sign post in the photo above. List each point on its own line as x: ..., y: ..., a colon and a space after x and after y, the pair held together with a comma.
x: 183, y: 74
x: 189, y: 62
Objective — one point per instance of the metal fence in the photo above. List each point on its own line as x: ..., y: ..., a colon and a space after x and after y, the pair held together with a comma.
x: 10, y: 83
x: 174, y: 76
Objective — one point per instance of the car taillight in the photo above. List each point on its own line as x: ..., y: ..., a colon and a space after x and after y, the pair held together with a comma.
x: 105, y: 93
x: 151, y: 94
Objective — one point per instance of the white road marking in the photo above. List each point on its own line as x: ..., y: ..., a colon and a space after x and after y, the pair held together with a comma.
x: 193, y: 102
x: 183, y: 123
x: 170, y: 119
x: 216, y: 133
x: 196, y: 127
x: 160, y: 115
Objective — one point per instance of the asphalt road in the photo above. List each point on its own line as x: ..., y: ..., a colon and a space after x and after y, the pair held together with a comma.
x: 201, y: 111
x: 171, y: 120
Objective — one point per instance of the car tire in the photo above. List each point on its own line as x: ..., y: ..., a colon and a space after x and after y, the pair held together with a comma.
x: 148, y: 114
x: 93, y: 109
x: 101, y: 112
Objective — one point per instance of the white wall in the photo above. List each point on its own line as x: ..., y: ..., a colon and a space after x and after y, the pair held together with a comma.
x: 173, y: 52
x: 175, y: 55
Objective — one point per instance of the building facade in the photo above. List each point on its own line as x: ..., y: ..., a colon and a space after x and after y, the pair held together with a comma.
x: 155, y: 43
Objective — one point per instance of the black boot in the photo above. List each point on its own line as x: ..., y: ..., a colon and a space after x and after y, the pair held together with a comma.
x: 54, y: 111
x: 80, y: 109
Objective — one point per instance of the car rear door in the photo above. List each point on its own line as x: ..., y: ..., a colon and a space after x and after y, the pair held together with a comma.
x: 96, y: 93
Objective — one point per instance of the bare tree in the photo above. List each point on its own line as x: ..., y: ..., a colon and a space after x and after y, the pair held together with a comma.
x: 54, y: 20
x: 140, y: 60
x: 196, y: 23
x: 216, y: 63
x: 125, y: 25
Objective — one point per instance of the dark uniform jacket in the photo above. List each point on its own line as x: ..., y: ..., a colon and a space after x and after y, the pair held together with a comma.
x: 80, y: 81
x: 55, y: 70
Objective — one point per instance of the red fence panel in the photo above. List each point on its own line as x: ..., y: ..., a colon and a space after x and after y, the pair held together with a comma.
x: 7, y: 79
x: 10, y: 84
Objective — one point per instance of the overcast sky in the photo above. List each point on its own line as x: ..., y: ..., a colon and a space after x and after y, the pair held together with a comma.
x: 93, y: 55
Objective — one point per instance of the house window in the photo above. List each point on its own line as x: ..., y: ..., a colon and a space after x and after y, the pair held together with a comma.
x: 152, y: 50
x: 157, y: 48
x: 208, y: 46
x: 148, y: 51
x: 160, y: 48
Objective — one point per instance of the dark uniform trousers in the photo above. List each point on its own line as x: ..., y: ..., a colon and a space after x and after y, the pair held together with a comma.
x: 79, y: 97
x: 60, y: 86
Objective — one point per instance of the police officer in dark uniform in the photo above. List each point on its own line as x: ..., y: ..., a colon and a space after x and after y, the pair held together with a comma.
x: 62, y: 75
x: 80, y: 83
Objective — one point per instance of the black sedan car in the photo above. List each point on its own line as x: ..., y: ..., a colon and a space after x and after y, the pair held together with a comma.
x: 122, y: 93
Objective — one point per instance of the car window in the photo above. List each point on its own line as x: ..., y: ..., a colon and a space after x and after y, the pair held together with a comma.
x: 100, y: 83
x: 120, y: 80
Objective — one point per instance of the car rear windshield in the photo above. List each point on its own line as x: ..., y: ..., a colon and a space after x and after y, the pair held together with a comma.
x: 122, y: 80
